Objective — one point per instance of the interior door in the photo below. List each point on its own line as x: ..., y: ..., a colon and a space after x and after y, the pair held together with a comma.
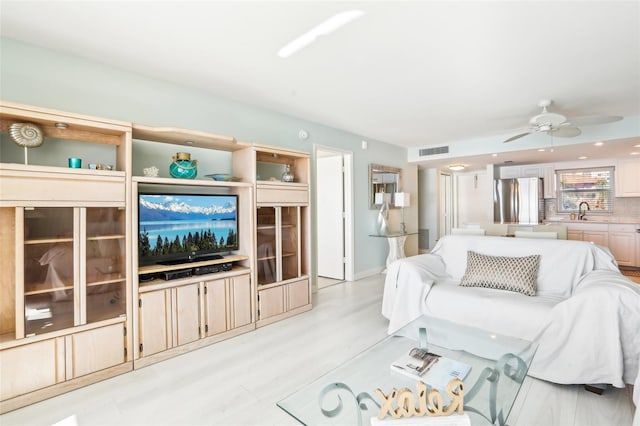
x: 330, y: 201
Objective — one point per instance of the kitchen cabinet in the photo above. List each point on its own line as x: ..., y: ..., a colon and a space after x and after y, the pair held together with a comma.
x: 621, y: 239
x: 549, y: 180
x: 627, y: 175
x: 595, y: 233
x: 637, y: 249
x: 622, y: 243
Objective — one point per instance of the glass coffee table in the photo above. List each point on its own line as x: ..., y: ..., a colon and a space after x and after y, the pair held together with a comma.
x: 346, y: 395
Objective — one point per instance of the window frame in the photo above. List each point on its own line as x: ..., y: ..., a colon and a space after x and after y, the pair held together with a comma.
x: 609, y: 191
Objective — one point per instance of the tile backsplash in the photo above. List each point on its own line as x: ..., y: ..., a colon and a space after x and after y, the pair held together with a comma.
x: 627, y: 208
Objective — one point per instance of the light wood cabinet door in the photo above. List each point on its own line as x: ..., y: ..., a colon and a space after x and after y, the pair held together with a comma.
x: 27, y: 368
x: 574, y: 235
x: 240, y: 300
x: 628, y: 178
x: 600, y: 238
x: 271, y: 302
x: 622, y: 245
x: 187, y: 314
x: 94, y: 350
x: 154, y: 322
x: 216, y: 307
x: 298, y: 294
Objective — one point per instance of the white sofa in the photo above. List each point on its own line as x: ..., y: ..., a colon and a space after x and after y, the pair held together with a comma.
x: 585, y: 315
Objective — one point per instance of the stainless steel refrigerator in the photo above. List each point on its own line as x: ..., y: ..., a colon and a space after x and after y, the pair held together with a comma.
x: 518, y: 200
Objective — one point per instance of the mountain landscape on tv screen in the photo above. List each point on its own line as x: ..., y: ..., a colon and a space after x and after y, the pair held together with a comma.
x: 166, y: 209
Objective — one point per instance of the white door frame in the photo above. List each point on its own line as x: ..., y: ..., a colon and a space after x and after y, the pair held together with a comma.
x: 349, y: 241
x: 445, y: 204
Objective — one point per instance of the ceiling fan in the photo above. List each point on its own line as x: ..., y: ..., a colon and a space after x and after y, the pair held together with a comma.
x: 558, y: 125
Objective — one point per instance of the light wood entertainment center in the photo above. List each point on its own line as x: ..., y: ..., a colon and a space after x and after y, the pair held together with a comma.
x: 73, y: 309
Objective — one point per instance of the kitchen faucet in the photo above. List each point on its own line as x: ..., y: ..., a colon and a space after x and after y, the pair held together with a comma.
x: 581, y: 214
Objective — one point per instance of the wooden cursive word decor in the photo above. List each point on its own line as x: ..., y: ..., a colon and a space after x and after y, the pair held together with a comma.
x: 429, y: 404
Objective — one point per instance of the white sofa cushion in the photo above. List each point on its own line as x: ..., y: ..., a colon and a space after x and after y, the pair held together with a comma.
x: 503, y: 312
x: 562, y: 262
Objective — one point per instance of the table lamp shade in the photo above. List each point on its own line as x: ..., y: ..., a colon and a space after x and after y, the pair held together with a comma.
x: 381, y: 197
x: 402, y: 199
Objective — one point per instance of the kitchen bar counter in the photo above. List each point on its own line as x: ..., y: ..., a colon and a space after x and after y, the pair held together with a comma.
x: 596, y: 219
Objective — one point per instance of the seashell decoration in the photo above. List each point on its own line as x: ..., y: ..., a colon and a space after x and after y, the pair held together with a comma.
x: 26, y: 134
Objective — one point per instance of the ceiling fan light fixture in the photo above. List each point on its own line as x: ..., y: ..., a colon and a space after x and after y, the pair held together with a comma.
x: 324, y: 28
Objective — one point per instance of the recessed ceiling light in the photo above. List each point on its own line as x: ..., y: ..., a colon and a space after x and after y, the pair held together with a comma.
x: 541, y: 150
x: 582, y: 157
x: 494, y: 155
x: 599, y: 143
x: 635, y: 153
x: 637, y: 146
x: 324, y: 28
x: 456, y: 167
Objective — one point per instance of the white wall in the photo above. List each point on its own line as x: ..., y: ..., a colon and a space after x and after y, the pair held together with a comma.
x: 45, y: 78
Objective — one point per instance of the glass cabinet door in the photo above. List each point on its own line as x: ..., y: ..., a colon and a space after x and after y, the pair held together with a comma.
x: 290, y: 246
x: 105, y: 263
x: 49, y: 269
x: 266, y: 250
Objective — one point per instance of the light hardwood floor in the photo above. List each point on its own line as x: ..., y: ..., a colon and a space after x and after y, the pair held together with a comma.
x: 239, y: 381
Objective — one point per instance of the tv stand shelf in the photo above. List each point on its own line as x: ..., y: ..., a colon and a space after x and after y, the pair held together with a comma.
x: 160, y: 284
x: 152, y: 269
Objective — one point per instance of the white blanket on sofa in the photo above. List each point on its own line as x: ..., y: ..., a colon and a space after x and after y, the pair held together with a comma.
x: 585, y: 316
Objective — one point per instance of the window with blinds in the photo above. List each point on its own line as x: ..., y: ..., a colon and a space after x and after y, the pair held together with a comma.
x: 595, y: 186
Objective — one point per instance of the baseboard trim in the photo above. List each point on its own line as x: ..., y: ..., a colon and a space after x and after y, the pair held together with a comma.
x: 368, y: 273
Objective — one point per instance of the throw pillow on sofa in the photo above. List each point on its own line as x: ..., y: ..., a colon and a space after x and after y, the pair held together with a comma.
x: 517, y: 274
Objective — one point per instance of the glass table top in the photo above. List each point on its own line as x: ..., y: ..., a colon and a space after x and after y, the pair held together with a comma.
x: 346, y: 395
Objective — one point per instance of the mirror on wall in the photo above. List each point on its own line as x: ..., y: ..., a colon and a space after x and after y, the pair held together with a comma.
x: 383, y: 179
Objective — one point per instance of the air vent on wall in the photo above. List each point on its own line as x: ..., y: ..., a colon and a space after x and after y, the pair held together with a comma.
x: 434, y: 151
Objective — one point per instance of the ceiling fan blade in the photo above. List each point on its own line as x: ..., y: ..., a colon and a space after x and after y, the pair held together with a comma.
x: 565, y: 132
x: 591, y: 120
x: 513, y: 138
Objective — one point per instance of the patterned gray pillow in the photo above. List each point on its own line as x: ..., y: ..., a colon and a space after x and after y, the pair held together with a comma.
x: 517, y: 274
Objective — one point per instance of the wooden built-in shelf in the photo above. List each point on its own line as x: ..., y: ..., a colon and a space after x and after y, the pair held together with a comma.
x: 45, y: 288
x: 152, y: 269
x: 190, y: 182
x: 9, y: 169
x: 106, y: 237
x: 49, y: 241
x: 280, y: 183
x: 186, y: 137
x: 159, y: 284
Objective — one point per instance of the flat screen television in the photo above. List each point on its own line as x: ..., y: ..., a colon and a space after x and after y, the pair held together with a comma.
x: 180, y: 228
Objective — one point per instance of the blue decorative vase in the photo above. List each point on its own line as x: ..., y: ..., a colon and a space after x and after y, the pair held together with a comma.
x: 183, y: 167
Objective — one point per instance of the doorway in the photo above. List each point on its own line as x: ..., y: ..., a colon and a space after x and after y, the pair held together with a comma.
x: 334, y: 219
x: 445, y: 205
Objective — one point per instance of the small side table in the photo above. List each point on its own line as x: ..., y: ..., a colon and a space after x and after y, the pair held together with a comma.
x: 396, y: 245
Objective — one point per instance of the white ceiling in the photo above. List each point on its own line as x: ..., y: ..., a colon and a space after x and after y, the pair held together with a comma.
x: 414, y: 73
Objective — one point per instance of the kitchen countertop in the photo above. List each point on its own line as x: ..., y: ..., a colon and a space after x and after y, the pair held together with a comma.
x: 596, y: 219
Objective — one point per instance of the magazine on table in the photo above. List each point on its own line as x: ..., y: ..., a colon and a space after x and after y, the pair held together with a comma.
x: 433, y: 369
